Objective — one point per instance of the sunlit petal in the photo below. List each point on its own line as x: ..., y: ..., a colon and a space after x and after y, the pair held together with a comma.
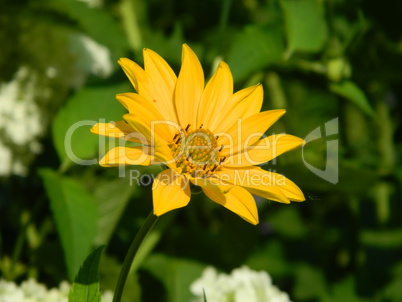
x: 239, y: 201
x: 161, y: 151
x: 256, y: 181
x: 242, y: 104
x: 215, y: 97
x: 189, y: 87
x: 212, y: 184
x: 248, y: 131
x: 119, y: 129
x: 162, y: 79
x: 265, y: 150
x: 148, y: 114
x: 170, y: 191
x: 127, y: 156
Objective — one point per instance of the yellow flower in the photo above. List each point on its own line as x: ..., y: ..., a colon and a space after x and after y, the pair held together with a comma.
x: 208, y: 136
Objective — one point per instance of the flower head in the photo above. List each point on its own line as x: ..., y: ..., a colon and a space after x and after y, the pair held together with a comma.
x: 205, y: 135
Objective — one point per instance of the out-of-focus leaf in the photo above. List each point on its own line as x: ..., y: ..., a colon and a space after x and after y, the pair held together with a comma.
x: 97, y: 23
x: 393, y: 291
x: 71, y: 127
x: 271, y: 259
x: 86, y: 284
x: 287, y: 222
x: 343, y: 291
x: 75, y: 213
x: 353, y: 93
x: 306, y: 29
x: 168, y: 47
x: 111, y: 197
x: 382, y: 238
x: 253, y: 49
x: 310, y: 283
x: 176, y: 275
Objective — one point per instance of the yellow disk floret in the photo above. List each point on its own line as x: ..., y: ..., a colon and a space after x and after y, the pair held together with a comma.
x: 196, y: 152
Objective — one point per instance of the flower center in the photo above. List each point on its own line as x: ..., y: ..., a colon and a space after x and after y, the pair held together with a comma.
x: 196, y: 152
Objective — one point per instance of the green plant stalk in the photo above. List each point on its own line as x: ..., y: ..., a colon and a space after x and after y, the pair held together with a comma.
x: 132, y: 251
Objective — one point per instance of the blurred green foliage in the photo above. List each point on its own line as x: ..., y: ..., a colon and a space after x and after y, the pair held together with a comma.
x: 318, y: 59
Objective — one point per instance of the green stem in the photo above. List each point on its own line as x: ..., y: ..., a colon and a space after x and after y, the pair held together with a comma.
x: 132, y: 251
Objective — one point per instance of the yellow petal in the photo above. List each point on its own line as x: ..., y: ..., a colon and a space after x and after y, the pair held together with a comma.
x: 265, y: 150
x: 189, y: 87
x: 215, y: 97
x: 170, y: 191
x: 148, y: 114
x: 212, y: 184
x: 242, y: 104
x: 255, y: 181
x: 119, y: 129
x: 136, y: 75
x: 248, y: 131
x: 161, y: 150
x: 163, y: 80
x: 127, y: 156
x: 149, y: 88
x: 288, y: 187
x: 239, y: 201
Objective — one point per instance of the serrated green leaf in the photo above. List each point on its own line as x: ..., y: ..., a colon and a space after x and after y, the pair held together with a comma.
x: 353, y: 93
x: 176, y: 275
x: 86, y: 284
x: 253, y: 49
x: 75, y: 215
x: 71, y: 127
x: 111, y: 198
x: 306, y: 29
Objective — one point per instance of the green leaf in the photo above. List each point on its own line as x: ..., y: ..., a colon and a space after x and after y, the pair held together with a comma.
x: 86, y: 284
x: 287, y: 222
x: 306, y: 29
x: 96, y: 22
x: 387, y: 239
x: 253, y: 49
x: 75, y: 215
x: 310, y: 283
x: 343, y: 290
x: 111, y: 197
x: 176, y: 274
x: 71, y: 127
x: 353, y: 93
x: 270, y: 257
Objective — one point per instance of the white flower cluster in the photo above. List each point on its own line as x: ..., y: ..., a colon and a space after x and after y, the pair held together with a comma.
x: 24, y: 99
x: 20, y: 121
x: 32, y: 291
x: 243, y: 284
